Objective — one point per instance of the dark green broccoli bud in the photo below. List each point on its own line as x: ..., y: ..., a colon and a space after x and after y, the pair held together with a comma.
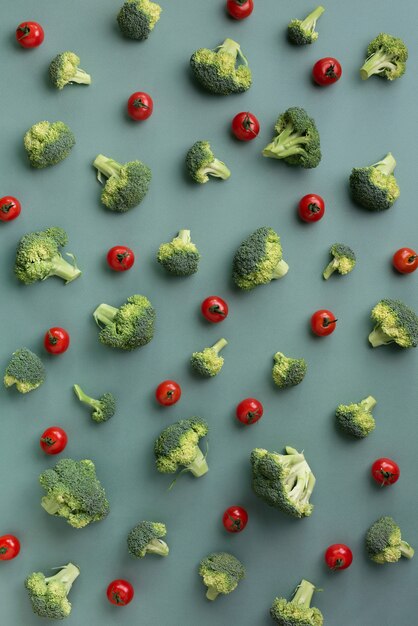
x: 386, y: 57
x: 221, y: 573
x: 178, y: 445
x: 137, y: 18
x: 384, y: 542
x: 128, y: 327
x: 344, y: 260
x: 38, y: 257
x: 64, y: 70
x: 288, y: 372
x: 298, y: 611
x: 395, y: 323
x: 259, y: 260
x: 180, y: 256
x: 201, y: 163
x: 216, y: 70
x: 48, y: 595
x: 48, y: 143
x: 74, y: 493
x: 356, y: 419
x: 375, y: 187
x: 208, y: 362
x: 126, y: 185
x: 103, y: 408
x: 25, y: 370
x: 284, y: 481
x: 146, y: 538
x: 301, y: 32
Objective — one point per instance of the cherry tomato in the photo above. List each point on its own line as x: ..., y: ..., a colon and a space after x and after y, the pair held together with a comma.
x: 9, y: 547
x: 56, y: 340
x: 323, y: 322
x: 249, y: 411
x: 311, y: 208
x: 338, y: 556
x: 405, y: 260
x: 385, y: 471
x: 168, y: 392
x: 120, y: 258
x: 120, y: 592
x: 9, y: 208
x: 245, y: 126
x: 53, y: 440
x: 140, y: 106
x: 214, y: 309
x: 326, y: 71
x: 235, y: 519
x: 239, y: 9
x: 30, y: 34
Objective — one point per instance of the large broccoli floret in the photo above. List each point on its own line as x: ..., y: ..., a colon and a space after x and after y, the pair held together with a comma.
x: 49, y: 594
x: 48, y: 143
x: 178, y: 445
x: 375, y: 187
x: 102, y: 409
x: 126, y: 185
x: 288, y: 372
x: 146, y: 538
x: 216, y: 70
x: 384, y: 542
x: 128, y: 327
x: 297, y: 141
x: 284, y: 481
x: 344, y: 260
x: 386, y: 57
x: 356, y: 419
x: 202, y: 163
x: 137, y: 18
x: 395, y: 323
x: 301, y: 32
x: 25, y: 370
x: 221, y: 573
x: 180, y: 256
x: 208, y: 362
x: 297, y: 611
x: 64, y: 70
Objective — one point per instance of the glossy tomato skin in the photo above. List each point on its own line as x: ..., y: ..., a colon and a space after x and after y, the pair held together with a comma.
x: 30, y: 34
x: 53, y: 440
x: 385, y: 471
x: 168, y: 392
x: 140, y: 106
x: 10, y: 208
x: 338, y: 556
x: 214, y: 309
x: 323, y: 322
x: 311, y: 208
x: 120, y: 592
x: 56, y: 340
x: 120, y: 258
x: 249, y: 411
x: 239, y: 9
x: 405, y: 260
x: 245, y: 126
x: 326, y: 71
x: 235, y: 519
x: 9, y: 547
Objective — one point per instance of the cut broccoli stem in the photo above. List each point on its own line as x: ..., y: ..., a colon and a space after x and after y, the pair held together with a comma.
x: 83, y: 397
x: 376, y: 63
x: 66, y: 576
x: 184, y: 235
x: 64, y: 269
x: 379, y: 338
x: 304, y: 594
x: 219, y: 345
x: 199, y: 465
x: 280, y: 270
x: 386, y: 165
x: 309, y: 22
x: 330, y: 269
x: 406, y: 550
x: 104, y: 314
x: 107, y: 167
x: 368, y: 403
x: 51, y: 505
x: 81, y: 77
x: 157, y: 546
x: 217, y: 168
x: 211, y: 593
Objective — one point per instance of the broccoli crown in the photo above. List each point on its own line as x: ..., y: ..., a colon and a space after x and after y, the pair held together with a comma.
x: 284, y: 481
x: 137, y: 18
x: 128, y: 327
x: 297, y: 612
x: 201, y: 163
x: 297, y: 141
x: 180, y: 256
x: 221, y: 573
x: 259, y: 259
x: 48, y: 143
x: 178, y: 444
x: 208, y: 362
x: 386, y: 57
x: 74, y: 492
x: 375, y: 187
x: 217, y: 71
x: 146, y: 537
x: 126, y: 185
x: 102, y: 409
x: 288, y: 372
x: 384, y: 542
x: 49, y: 595
x: 356, y: 419
x: 302, y: 32
x: 395, y: 323
x: 25, y: 370
x: 64, y: 70
x: 343, y: 262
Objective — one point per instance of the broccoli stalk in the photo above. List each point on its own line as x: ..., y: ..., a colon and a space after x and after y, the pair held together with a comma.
x: 106, y: 166
x: 304, y: 594
x: 198, y: 467
x: 298, y: 610
x: 103, y: 408
x: 66, y: 576
x: 386, y: 165
x: 302, y: 32
x: 105, y: 314
x: 48, y: 595
x: 234, y: 49
x: 63, y: 269
x: 286, y: 143
x: 378, y: 337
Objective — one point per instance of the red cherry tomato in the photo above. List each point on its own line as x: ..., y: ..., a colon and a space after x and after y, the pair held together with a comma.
x: 326, y: 71
x: 214, y: 309
x: 120, y: 592
x: 56, y: 340
x: 9, y: 547
x: 311, y: 208
x: 140, y: 106
x: 235, y: 519
x: 249, y: 411
x: 239, y: 9
x: 30, y: 34
x: 168, y: 392
x: 120, y: 258
x: 385, y: 471
x: 53, y: 440
x: 338, y: 556
x: 245, y: 126
x: 323, y: 322
x: 405, y: 260
x: 10, y: 208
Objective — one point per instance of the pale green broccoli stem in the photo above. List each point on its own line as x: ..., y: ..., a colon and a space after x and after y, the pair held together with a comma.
x: 81, y: 77
x: 406, y: 550
x: 66, y: 576
x: 217, y: 168
x: 379, y: 338
x: 309, y: 488
x: 104, y: 314
x: 233, y: 48
x: 184, y: 235
x: 330, y: 269
x: 51, y: 505
x: 63, y: 269
x: 156, y: 546
x: 280, y: 270
x: 211, y: 593
x: 304, y: 594
x: 376, y: 63
x: 368, y: 403
x: 217, y: 347
x: 83, y: 397
x: 199, y: 466
x: 386, y: 165
x: 107, y: 167
x: 309, y: 22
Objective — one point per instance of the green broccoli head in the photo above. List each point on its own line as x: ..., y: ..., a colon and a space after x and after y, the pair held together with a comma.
x: 217, y: 71
x: 302, y: 32
x: 25, y: 370
x: 64, y: 70
x: 208, y: 362
x: 384, y: 542
x: 126, y: 185
x: 102, y: 409
x: 146, y: 538
x: 48, y: 143
x: 288, y: 372
x: 137, y: 18
x: 298, y: 611
x: 344, y: 260
x: 386, y: 57
x: 180, y: 256
x: 395, y: 323
x: 178, y: 445
x: 201, y: 163
x: 221, y: 573
x: 259, y: 260
x: 375, y: 187
x: 128, y: 327
x: 284, y: 481
x: 49, y: 595
x: 356, y: 419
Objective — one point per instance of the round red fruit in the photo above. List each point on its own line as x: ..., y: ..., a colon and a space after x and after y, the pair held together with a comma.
x: 56, y: 340
x: 214, y: 309
x: 140, y: 106
x: 53, y: 440
x: 120, y: 258
x: 120, y: 592
x: 30, y: 34
x: 385, y: 471
x: 235, y: 519
x: 326, y: 71
x: 9, y: 547
x: 249, y: 411
x: 10, y: 208
x: 168, y: 392
x: 338, y: 556
x: 323, y: 322
x: 311, y: 208
x: 405, y: 260
x: 245, y: 126
x: 239, y: 9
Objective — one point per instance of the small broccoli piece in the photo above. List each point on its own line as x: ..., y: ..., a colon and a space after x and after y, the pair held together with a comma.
x: 128, y: 327
x: 48, y: 143
x: 344, y: 260
x: 208, y: 362
x: 375, y: 187
x: 25, y: 370
x: 297, y: 141
x: 216, y: 70
x: 103, y: 408
x: 178, y: 444
x: 395, y: 323
x: 221, y: 573
x: 64, y: 70
x: 48, y: 595
x: 146, y: 538
x: 284, y: 481
x: 356, y: 419
x: 384, y: 542
x: 386, y: 57
x: 302, y: 32
x: 298, y: 611
x: 180, y: 256
x: 201, y: 163
x: 137, y: 18
x: 288, y: 372
x: 126, y: 185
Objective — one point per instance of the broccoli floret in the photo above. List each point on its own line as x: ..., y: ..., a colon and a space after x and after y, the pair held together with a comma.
x: 384, y: 542
x: 38, y: 257
x: 386, y: 57
x: 178, y: 445
x: 344, y: 260
x: 126, y: 185
x: 259, y: 260
x: 297, y: 141
x: 48, y: 595
x: 221, y: 573
x: 395, y: 323
x: 128, y: 327
x: 288, y: 372
x: 284, y: 481
x: 208, y: 362
x: 216, y: 70
x: 301, y: 32
x: 103, y: 408
x: 64, y: 70
x: 356, y: 419
x: 375, y: 187
x: 180, y: 256
x: 137, y: 18
x: 201, y: 163
x: 48, y: 143
x: 298, y: 611
x: 25, y: 370
x: 74, y: 492
x: 146, y: 538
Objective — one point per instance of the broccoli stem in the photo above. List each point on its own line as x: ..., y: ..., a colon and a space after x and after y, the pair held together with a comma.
x: 184, y: 235
x: 217, y: 347
x: 309, y: 22
x: 81, y: 77
x: 64, y: 269
x: 83, y: 397
x: 280, y: 270
x: 211, y: 593
x: 66, y: 576
x: 157, y: 546
x: 386, y: 165
x: 368, y: 403
x: 107, y: 167
x: 104, y: 314
x: 376, y: 63
x: 304, y: 594
x: 379, y: 338
x: 217, y: 168
x: 199, y: 466
x: 406, y: 550
x: 51, y: 505
x: 330, y: 269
